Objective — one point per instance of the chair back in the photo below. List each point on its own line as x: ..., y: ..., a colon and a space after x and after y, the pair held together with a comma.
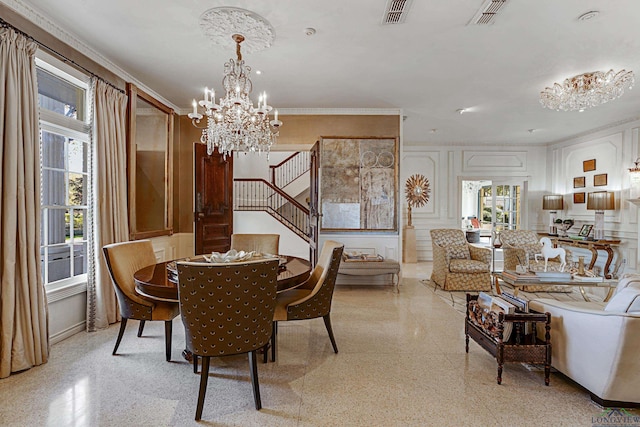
x: 519, y: 238
x: 323, y: 279
x: 262, y: 243
x: 227, y: 308
x: 448, y: 237
x: 123, y: 260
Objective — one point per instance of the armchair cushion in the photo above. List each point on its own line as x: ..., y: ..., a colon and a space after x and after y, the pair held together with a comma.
x: 467, y: 266
x: 456, y: 252
x: 625, y: 301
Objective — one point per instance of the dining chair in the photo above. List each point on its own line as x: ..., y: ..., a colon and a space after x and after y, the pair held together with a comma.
x: 123, y: 260
x: 263, y: 243
x: 227, y: 309
x: 312, y: 298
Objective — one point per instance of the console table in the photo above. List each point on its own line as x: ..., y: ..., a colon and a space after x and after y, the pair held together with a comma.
x: 594, y: 246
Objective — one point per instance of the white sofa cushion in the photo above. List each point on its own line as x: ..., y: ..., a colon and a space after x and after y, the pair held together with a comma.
x: 625, y: 301
x: 628, y: 281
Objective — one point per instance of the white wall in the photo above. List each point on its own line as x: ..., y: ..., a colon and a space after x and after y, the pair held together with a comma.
x: 262, y: 222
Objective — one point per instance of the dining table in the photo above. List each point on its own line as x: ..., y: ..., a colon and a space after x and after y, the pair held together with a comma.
x: 159, y: 282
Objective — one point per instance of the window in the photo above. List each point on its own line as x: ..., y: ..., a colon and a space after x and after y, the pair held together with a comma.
x: 64, y: 146
x: 492, y: 203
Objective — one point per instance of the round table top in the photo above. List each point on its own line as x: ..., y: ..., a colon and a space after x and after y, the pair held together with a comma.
x: 153, y: 281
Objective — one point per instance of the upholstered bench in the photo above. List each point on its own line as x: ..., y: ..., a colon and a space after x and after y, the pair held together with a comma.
x: 372, y: 268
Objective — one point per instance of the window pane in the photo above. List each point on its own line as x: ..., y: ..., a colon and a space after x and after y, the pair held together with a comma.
x: 79, y: 259
x: 77, y: 156
x: 60, y: 96
x: 79, y: 224
x: 54, y: 188
x: 77, y: 190
x: 52, y: 150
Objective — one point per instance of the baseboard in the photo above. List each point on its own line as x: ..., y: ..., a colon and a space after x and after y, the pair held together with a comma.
x: 63, y: 335
x: 613, y: 403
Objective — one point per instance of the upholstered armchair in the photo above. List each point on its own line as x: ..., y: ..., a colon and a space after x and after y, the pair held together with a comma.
x: 520, y: 247
x: 457, y: 265
x: 596, y: 344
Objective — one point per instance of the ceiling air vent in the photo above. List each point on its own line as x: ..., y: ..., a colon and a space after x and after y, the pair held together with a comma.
x: 487, y: 12
x: 396, y: 11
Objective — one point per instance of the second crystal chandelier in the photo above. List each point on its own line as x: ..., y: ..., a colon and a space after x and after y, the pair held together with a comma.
x: 235, y: 124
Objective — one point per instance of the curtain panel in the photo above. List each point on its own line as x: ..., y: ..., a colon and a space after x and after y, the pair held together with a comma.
x: 24, y: 341
x: 109, y: 207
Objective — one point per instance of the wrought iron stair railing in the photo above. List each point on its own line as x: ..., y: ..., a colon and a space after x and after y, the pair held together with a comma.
x: 251, y: 194
x: 290, y: 169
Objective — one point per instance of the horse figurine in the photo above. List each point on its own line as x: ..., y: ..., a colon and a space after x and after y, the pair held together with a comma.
x: 548, y: 251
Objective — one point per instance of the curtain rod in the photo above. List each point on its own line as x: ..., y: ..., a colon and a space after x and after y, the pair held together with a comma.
x: 5, y: 24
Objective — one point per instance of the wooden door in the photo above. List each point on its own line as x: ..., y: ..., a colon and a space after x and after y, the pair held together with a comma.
x: 314, y: 214
x: 213, y: 188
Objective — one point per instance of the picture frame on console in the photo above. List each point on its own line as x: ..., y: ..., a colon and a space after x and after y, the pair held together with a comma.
x: 585, y: 230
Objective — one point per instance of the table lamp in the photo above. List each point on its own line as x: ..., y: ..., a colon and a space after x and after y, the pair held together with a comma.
x: 553, y: 203
x: 600, y: 201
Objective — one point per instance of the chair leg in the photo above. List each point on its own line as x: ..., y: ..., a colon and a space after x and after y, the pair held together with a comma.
x: 168, y: 329
x: 253, y: 367
x: 140, y: 328
x: 204, y: 377
x: 274, y: 341
x: 327, y: 324
x: 195, y: 364
x: 265, y: 353
x: 123, y: 325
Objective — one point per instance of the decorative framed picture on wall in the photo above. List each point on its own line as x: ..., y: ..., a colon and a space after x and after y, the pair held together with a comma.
x: 579, y: 182
x: 585, y: 230
x: 589, y: 165
x: 600, y: 180
x: 578, y: 198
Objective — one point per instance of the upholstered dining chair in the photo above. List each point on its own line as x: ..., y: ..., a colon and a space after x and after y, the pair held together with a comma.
x: 123, y: 260
x: 227, y: 309
x: 263, y: 243
x: 312, y: 298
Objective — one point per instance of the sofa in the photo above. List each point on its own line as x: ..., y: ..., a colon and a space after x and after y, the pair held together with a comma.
x: 457, y: 265
x: 596, y: 344
x: 519, y: 248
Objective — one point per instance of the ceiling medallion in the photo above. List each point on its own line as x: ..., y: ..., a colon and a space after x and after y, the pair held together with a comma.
x: 417, y: 191
x: 587, y: 90
x: 221, y: 22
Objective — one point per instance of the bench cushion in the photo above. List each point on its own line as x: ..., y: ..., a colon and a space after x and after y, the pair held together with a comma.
x: 467, y: 266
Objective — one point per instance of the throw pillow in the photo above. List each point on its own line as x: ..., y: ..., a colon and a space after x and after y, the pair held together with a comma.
x: 457, y: 252
x: 625, y: 301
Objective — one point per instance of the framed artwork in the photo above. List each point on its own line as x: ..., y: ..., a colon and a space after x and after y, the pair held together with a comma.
x: 579, y: 182
x: 589, y: 165
x: 359, y: 185
x: 600, y: 180
x: 585, y: 230
x: 578, y: 198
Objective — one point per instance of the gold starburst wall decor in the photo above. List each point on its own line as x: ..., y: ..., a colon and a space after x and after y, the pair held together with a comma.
x: 417, y: 191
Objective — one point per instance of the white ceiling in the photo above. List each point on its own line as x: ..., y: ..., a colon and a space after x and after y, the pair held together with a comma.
x: 430, y: 66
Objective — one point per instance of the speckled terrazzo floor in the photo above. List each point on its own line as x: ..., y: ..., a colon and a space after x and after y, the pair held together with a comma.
x: 401, y: 363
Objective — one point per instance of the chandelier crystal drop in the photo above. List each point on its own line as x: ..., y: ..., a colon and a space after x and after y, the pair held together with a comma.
x: 235, y: 124
x: 587, y: 90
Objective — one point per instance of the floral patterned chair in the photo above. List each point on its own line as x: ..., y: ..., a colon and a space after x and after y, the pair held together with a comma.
x: 457, y: 265
x: 520, y: 247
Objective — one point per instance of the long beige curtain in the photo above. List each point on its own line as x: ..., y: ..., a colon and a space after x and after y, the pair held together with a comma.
x: 24, y: 340
x: 110, y: 215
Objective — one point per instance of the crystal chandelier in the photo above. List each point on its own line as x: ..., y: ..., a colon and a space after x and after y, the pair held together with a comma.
x: 235, y: 124
x: 586, y: 90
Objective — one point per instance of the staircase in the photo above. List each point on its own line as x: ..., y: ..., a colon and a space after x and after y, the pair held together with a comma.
x: 255, y: 194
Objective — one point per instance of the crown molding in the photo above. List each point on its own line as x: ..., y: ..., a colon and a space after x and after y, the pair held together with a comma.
x: 326, y: 111
x: 39, y: 19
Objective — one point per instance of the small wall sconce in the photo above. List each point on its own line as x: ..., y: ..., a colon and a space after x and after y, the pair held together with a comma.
x: 553, y: 203
x: 634, y: 173
x: 600, y: 201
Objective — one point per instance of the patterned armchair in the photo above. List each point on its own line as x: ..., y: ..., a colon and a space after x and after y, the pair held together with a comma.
x: 520, y: 247
x: 457, y: 265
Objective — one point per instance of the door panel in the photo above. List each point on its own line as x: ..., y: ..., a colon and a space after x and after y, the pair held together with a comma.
x: 314, y: 217
x: 214, y: 201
